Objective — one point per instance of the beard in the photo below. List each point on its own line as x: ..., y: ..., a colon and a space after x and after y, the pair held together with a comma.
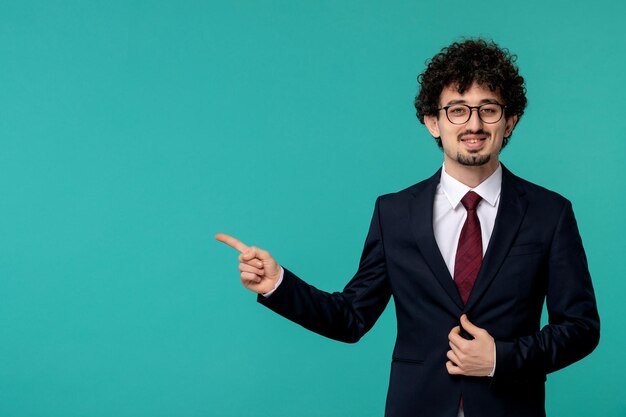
x: 473, y: 160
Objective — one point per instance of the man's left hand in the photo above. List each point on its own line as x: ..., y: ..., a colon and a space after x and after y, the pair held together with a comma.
x: 470, y: 357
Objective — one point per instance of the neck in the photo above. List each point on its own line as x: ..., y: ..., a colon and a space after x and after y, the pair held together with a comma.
x: 471, y: 176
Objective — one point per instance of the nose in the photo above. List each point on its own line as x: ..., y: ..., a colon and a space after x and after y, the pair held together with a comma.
x: 474, y: 121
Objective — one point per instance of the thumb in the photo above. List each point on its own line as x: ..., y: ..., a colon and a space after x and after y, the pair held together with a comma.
x: 469, y: 327
x: 264, y: 255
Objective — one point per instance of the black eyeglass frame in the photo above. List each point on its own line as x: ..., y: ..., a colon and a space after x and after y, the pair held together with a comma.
x: 502, y: 107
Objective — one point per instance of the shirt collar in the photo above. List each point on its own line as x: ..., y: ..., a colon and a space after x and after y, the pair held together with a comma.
x: 454, y: 190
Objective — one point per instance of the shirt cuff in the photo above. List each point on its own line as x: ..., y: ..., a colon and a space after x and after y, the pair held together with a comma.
x: 493, y: 371
x: 278, y: 282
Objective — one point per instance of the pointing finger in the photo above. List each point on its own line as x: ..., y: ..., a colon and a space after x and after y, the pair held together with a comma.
x: 231, y: 241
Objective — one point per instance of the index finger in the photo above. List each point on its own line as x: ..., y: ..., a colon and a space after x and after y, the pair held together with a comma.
x: 231, y: 241
x: 454, y: 336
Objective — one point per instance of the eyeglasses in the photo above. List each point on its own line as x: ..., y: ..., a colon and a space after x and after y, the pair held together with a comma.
x: 459, y: 114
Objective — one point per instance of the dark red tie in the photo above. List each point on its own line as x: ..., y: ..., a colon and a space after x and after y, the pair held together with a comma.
x: 469, y: 253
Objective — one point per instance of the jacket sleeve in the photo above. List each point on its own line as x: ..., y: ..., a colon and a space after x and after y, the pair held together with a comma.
x: 347, y: 315
x: 573, y: 329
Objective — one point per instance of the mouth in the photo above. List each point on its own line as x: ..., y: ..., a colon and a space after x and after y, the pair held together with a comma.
x: 473, y: 141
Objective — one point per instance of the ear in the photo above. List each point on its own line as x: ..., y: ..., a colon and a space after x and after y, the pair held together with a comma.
x: 432, y: 124
x: 510, y: 125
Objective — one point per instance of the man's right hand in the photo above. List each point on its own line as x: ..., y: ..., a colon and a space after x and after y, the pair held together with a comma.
x: 259, y: 270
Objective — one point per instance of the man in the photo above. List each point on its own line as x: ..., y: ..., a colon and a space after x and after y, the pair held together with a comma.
x: 469, y: 256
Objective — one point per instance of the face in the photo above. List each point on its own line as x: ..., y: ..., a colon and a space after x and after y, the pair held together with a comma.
x: 475, y: 144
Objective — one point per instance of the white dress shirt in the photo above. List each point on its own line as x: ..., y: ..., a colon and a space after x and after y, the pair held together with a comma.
x: 449, y: 214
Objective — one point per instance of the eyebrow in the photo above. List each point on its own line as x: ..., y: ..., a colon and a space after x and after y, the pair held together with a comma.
x: 483, y: 101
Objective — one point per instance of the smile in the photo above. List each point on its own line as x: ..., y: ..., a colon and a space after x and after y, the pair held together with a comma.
x: 473, y: 137
x: 473, y: 143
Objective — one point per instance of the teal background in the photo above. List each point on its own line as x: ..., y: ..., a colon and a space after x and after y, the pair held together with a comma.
x: 132, y: 131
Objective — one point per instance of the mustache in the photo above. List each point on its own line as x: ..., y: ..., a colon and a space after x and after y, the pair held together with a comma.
x: 461, y: 135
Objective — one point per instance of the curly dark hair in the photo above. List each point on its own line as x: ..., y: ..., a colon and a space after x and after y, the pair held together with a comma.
x: 463, y: 63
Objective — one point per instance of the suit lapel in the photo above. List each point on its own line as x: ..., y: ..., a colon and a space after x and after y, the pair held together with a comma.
x: 510, y: 214
x: 422, y: 225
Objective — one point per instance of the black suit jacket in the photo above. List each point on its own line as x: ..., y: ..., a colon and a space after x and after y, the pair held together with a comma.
x: 535, y: 253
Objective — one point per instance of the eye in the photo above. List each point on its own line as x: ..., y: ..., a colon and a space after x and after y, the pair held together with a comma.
x: 457, y: 111
x: 489, y: 109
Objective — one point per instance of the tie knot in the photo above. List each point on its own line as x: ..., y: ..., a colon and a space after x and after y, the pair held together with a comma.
x: 470, y: 200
